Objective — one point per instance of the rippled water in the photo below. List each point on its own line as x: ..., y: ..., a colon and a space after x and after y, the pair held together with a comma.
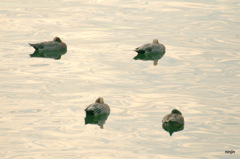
x: 43, y: 100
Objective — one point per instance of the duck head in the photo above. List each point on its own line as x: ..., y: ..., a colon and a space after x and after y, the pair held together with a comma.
x: 57, y: 39
x: 99, y: 100
x: 175, y: 111
x: 155, y: 41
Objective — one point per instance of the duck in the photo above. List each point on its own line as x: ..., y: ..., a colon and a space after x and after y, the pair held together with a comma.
x: 154, y: 47
x: 174, y: 117
x: 98, y: 108
x: 54, y: 45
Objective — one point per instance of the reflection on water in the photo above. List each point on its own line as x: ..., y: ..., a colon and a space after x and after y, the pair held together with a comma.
x: 155, y: 56
x: 55, y: 54
x: 172, y: 127
x: 96, y: 119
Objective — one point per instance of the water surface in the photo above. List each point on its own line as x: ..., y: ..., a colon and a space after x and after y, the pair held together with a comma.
x: 43, y: 100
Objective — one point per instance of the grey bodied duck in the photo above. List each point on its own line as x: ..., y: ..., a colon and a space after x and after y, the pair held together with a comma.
x: 54, y: 45
x: 154, y: 47
x: 98, y: 108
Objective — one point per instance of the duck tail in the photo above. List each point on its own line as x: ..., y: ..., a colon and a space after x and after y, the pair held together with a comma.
x: 139, y: 51
x: 34, y: 46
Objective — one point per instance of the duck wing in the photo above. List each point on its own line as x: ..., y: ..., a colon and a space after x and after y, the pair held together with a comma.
x: 49, y: 45
x: 93, y: 109
x: 52, y: 46
x: 157, y: 48
x: 173, y: 118
x: 97, y: 108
